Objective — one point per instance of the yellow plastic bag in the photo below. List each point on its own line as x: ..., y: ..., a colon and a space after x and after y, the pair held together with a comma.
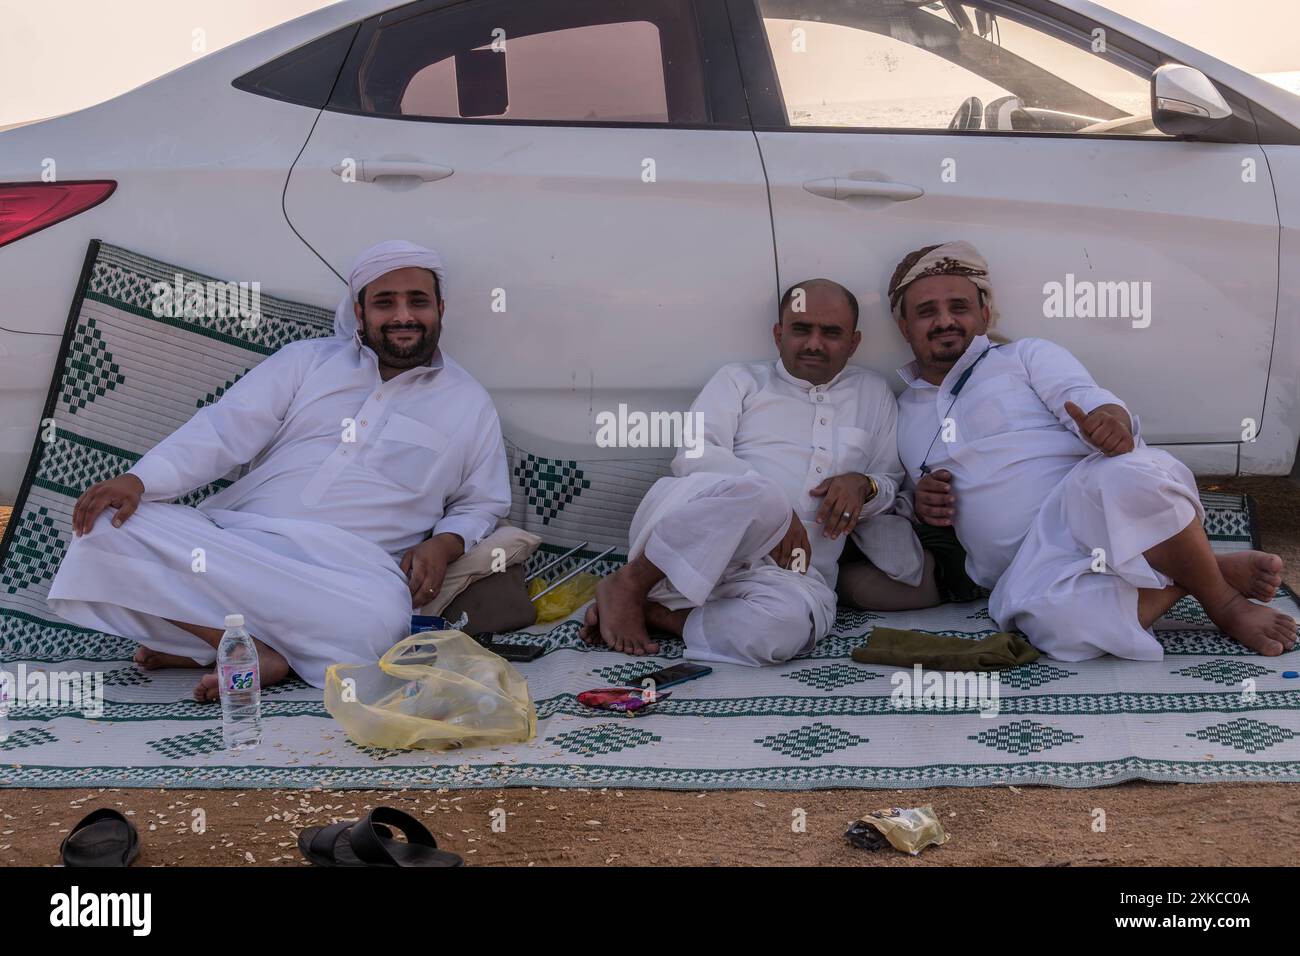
x: 433, y: 691
x: 565, y: 599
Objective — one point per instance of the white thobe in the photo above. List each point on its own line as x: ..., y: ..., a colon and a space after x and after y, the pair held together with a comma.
x: 769, y: 438
x: 346, y: 473
x: 1035, y: 501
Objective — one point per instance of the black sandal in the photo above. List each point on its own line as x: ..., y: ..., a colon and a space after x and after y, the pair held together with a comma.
x: 369, y: 842
x: 103, y: 838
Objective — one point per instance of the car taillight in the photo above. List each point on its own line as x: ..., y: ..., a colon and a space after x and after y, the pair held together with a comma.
x: 26, y: 208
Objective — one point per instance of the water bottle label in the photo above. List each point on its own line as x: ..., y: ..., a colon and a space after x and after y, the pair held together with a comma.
x: 238, y: 678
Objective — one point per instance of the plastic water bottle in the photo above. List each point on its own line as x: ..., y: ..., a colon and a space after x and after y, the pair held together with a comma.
x: 240, y: 684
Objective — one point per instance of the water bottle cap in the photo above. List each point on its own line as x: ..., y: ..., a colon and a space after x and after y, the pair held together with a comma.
x: 234, y: 620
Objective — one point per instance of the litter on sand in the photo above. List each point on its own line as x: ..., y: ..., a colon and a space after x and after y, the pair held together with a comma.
x: 910, y: 830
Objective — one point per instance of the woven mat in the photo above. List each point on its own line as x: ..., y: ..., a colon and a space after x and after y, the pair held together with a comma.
x: 1210, y: 711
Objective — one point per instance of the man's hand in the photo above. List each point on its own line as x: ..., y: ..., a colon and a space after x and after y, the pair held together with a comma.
x: 796, y: 539
x: 934, y: 502
x: 122, y: 493
x: 426, y: 564
x: 844, y: 497
x: 1108, y: 428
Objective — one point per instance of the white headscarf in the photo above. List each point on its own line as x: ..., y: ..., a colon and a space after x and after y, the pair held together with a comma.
x: 377, y: 261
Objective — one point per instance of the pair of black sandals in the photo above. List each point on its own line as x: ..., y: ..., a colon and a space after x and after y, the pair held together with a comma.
x: 105, y: 838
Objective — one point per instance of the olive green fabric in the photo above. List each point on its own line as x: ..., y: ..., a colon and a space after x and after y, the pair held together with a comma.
x: 898, y: 648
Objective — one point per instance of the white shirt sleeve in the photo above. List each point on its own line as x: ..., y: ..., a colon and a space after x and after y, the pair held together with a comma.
x: 717, y: 411
x: 884, y: 465
x: 1058, y: 377
x: 228, y: 433
x: 483, y: 498
x: 904, y: 504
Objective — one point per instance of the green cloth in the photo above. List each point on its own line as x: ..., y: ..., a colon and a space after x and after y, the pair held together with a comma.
x: 899, y: 648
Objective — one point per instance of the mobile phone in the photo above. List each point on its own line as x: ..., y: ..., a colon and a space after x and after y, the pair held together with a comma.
x: 518, y: 652
x: 428, y: 622
x: 677, y: 674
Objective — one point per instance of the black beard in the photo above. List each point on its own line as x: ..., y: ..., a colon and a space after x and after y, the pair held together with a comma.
x: 403, y: 356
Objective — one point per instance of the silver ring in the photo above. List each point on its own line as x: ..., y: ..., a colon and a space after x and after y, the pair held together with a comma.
x: 847, y: 514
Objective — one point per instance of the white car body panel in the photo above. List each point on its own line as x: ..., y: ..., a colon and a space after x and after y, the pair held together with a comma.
x: 1274, y: 448
x: 201, y: 168
x: 615, y: 289
x: 1043, y: 208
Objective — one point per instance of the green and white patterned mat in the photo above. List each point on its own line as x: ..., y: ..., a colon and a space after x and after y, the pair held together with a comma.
x: 1210, y: 711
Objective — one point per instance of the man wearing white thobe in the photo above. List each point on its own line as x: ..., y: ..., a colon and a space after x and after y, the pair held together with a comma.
x: 1085, y: 535
x: 374, y: 462
x: 737, y: 553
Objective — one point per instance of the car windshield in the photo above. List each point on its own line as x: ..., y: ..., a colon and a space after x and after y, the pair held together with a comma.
x: 1082, y: 75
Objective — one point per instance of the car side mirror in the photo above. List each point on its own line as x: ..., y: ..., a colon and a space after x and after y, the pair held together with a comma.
x: 1184, y: 102
x: 481, y: 85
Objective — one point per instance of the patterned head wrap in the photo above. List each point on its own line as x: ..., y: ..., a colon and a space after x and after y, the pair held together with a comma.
x: 948, y: 259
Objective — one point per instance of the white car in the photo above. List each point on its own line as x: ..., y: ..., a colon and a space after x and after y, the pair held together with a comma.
x: 622, y: 188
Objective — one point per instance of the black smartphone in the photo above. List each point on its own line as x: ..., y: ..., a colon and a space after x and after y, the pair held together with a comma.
x: 677, y: 674
x: 518, y: 652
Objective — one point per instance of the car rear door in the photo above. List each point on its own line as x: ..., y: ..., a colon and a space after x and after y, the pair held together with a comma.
x: 1054, y: 174
x: 588, y: 172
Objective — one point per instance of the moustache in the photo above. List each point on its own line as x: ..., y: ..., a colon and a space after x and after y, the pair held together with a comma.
x: 941, y: 332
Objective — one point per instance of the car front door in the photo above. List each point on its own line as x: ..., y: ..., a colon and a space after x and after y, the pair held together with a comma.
x: 887, y: 125
x: 587, y: 170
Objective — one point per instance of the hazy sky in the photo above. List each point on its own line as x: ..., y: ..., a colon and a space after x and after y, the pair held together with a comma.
x: 61, y: 55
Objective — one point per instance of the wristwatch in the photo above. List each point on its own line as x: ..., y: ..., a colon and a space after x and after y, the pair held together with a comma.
x: 875, y: 489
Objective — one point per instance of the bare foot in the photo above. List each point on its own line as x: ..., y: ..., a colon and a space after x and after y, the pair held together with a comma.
x: 151, y: 660
x: 590, y: 629
x: 1255, y: 574
x: 1262, y: 629
x: 659, y: 618
x: 271, y: 669
x: 622, y: 616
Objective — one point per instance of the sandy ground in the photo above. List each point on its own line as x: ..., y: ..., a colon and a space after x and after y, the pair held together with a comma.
x: 1144, y: 824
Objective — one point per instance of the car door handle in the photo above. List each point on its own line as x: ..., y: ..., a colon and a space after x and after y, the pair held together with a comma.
x: 837, y: 188
x: 368, y: 170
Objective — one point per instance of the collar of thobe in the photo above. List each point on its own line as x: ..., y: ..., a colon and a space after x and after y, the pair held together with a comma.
x: 434, y: 365
x: 784, y: 374
x: 911, y: 372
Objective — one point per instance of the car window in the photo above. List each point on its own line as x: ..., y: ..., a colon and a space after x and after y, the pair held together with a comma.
x: 580, y: 61
x: 882, y: 64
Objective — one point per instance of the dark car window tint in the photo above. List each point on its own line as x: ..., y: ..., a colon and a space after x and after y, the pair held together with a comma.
x: 582, y: 61
x: 305, y: 75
